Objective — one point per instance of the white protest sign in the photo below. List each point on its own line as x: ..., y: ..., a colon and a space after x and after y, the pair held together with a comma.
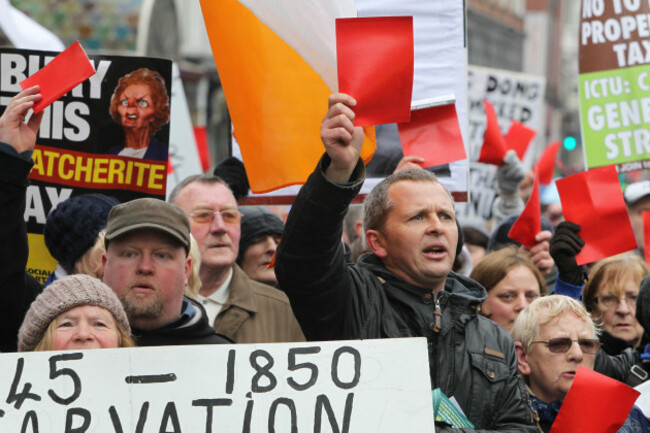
x: 183, y: 152
x: 515, y: 96
x: 371, y: 386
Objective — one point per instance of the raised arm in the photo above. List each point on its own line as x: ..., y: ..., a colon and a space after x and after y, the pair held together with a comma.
x: 17, y: 137
x: 311, y: 266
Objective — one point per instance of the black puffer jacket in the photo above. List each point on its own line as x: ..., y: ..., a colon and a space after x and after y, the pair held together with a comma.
x: 471, y: 358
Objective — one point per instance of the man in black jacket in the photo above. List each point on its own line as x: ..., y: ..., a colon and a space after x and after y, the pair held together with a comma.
x: 405, y: 287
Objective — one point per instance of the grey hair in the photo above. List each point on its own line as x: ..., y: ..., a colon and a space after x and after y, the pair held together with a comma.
x: 527, y: 325
x: 206, y: 178
x: 377, y: 204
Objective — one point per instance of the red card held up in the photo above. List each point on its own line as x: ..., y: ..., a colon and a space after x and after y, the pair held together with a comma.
x: 519, y: 137
x: 594, y: 403
x: 61, y: 75
x: 594, y: 200
x: 646, y: 234
x: 529, y: 223
x: 494, y: 144
x: 375, y: 67
x: 546, y: 163
x: 433, y: 134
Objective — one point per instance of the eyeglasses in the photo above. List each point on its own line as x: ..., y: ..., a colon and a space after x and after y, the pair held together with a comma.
x: 206, y: 216
x: 611, y: 301
x: 589, y: 346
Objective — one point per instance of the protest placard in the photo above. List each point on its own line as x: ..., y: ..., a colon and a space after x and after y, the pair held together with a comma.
x: 614, y: 84
x: 371, y: 386
x: 183, y: 152
x: 515, y: 97
x: 79, y: 141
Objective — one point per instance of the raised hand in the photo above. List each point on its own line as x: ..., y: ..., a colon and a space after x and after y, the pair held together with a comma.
x: 13, y: 129
x: 342, y: 140
x: 565, y: 244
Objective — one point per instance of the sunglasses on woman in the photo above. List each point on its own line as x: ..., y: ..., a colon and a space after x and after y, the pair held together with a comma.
x: 589, y: 346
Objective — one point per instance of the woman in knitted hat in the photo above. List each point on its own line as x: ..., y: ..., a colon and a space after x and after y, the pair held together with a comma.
x: 261, y: 231
x: 72, y: 234
x: 73, y: 313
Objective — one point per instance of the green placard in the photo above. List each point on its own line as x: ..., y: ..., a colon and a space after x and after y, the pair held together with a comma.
x: 615, y: 110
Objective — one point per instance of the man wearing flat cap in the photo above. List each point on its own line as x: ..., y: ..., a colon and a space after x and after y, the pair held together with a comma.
x: 146, y: 263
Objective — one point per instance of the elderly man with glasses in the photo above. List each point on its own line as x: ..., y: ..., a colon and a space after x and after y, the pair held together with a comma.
x: 553, y: 336
x: 244, y: 310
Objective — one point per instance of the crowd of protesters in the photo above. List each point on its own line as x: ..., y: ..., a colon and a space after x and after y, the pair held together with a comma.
x: 507, y: 326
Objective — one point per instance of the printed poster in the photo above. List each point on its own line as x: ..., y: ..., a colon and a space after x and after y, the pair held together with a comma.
x: 614, y: 84
x: 515, y: 96
x: 82, y: 135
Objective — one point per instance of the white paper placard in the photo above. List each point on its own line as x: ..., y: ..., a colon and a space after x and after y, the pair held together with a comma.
x: 365, y: 386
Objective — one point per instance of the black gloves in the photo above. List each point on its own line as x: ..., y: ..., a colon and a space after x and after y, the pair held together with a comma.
x: 565, y: 244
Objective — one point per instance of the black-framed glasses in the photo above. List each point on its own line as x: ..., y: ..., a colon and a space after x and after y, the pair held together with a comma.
x: 206, y: 216
x: 611, y: 301
x: 588, y: 346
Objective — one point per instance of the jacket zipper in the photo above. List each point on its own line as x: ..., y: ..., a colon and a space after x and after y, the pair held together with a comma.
x: 437, y: 314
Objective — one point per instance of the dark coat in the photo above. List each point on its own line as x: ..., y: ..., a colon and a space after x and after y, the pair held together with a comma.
x: 192, y: 327
x: 19, y: 288
x: 471, y: 358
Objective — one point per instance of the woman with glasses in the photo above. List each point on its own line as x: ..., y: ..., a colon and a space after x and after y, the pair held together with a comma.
x: 512, y: 282
x: 610, y: 297
x: 553, y: 336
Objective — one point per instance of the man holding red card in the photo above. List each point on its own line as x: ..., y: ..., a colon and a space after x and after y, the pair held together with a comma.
x: 404, y: 287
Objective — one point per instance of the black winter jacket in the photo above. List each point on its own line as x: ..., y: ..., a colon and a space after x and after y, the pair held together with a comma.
x: 18, y: 288
x: 471, y: 358
x: 192, y: 327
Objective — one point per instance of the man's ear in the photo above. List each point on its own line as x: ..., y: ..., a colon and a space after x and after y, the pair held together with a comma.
x: 522, y: 361
x: 376, y: 243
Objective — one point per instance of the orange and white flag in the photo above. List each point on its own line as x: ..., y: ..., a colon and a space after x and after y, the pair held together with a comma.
x: 277, y: 64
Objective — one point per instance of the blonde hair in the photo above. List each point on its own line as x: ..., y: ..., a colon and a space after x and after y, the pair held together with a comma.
x: 124, y: 338
x: 194, y: 281
x: 527, y: 325
x: 611, y: 274
x: 90, y: 263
